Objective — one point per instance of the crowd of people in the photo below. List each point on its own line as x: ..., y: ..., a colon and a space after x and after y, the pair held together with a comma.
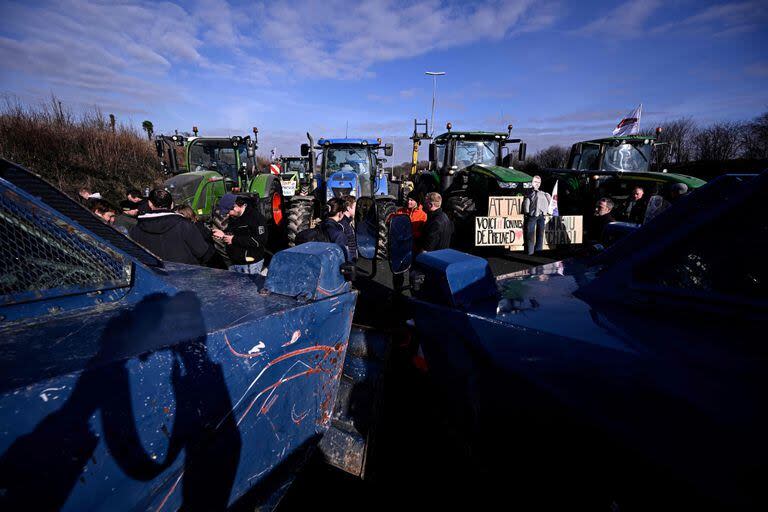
x: 236, y: 237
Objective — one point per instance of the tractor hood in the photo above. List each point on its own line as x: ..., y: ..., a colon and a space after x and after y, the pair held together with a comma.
x: 502, y: 174
x: 342, y: 183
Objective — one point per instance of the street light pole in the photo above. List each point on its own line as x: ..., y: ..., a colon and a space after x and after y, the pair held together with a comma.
x: 434, y: 75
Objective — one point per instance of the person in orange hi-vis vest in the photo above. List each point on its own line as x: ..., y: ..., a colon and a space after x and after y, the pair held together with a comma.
x: 417, y: 215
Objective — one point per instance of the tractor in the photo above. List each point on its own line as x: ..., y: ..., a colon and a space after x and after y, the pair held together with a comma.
x: 295, y: 175
x: 347, y: 167
x: 612, y: 167
x: 213, y: 166
x: 467, y: 168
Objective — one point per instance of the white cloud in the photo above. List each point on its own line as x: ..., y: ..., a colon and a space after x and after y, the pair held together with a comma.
x: 623, y: 22
x: 336, y: 39
x: 723, y: 19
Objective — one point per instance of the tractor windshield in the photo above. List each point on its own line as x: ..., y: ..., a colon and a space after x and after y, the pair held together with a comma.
x: 350, y: 159
x: 183, y: 187
x: 627, y: 157
x: 294, y: 166
x: 218, y: 155
x: 470, y: 152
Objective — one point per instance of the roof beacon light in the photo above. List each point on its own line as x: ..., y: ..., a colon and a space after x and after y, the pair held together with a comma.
x: 658, y: 131
x: 449, y: 126
x: 194, y: 130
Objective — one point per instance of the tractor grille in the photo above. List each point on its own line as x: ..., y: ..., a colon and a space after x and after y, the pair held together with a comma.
x: 43, y: 256
x: 341, y: 191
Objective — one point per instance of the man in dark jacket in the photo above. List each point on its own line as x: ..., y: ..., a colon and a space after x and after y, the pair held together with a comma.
x: 439, y: 228
x: 140, y: 202
x: 169, y: 235
x: 333, y: 226
x: 350, y: 207
x: 634, y: 210
x: 245, y: 234
x: 602, y: 217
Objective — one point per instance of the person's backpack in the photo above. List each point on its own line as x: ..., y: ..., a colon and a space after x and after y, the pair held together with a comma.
x: 311, y: 235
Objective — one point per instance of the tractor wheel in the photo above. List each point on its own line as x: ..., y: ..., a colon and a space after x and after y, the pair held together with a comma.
x: 273, y: 209
x: 461, y: 208
x: 299, y: 214
x: 385, y: 208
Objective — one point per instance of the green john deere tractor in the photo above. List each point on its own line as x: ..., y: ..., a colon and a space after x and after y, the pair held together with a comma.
x: 612, y: 167
x: 467, y: 168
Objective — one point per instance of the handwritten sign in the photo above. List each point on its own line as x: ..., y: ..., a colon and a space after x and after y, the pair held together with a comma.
x: 499, y: 231
x: 505, y: 226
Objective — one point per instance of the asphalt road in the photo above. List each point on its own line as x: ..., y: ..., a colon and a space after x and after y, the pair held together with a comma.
x: 419, y: 458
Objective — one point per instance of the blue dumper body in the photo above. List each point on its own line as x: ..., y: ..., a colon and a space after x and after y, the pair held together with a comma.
x: 127, y: 383
x: 632, y: 381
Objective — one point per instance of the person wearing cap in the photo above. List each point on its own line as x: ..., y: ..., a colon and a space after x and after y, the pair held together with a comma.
x: 416, y: 213
x: 245, y: 234
x: 168, y: 234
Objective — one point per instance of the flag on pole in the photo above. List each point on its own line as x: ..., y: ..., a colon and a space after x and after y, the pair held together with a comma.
x: 630, y: 125
x: 553, y: 204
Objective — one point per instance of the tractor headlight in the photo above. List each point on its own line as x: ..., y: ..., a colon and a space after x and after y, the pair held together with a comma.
x: 528, y: 185
x: 503, y: 184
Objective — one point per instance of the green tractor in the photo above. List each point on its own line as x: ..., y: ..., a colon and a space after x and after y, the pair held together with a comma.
x: 203, y: 169
x: 295, y: 175
x: 467, y: 168
x: 612, y: 167
x: 347, y: 167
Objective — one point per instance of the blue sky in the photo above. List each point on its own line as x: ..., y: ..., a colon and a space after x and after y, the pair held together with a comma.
x: 558, y: 71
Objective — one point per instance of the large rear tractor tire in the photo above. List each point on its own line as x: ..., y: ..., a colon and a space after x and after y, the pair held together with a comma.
x: 462, y: 210
x: 299, y: 216
x: 385, y: 208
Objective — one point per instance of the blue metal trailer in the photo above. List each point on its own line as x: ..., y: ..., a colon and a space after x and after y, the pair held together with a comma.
x: 127, y: 383
x: 632, y: 381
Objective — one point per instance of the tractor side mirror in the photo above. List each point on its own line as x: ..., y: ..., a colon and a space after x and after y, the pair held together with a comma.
x: 400, y: 235
x: 159, y: 148
x: 432, y: 152
x: 251, y: 149
x: 367, y: 229
x: 521, y: 152
x: 388, y: 149
x: 305, y: 150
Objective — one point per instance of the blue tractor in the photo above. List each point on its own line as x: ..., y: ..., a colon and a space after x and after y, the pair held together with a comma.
x: 347, y: 167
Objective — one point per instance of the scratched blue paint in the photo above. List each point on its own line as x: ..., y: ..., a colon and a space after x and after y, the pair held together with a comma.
x: 189, y: 388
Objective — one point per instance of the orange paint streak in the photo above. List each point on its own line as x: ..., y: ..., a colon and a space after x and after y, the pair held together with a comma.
x: 276, y: 385
x: 268, y: 405
x: 168, y: 495
x: 240, y: 354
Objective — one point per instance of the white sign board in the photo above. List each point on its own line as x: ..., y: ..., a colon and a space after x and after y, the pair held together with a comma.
x: 504, y: 226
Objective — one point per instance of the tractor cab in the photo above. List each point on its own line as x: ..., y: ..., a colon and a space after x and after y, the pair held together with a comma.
x: 213, y: 166
x: 456, y: 156
x: 632, y: 153
x: 351, y: 167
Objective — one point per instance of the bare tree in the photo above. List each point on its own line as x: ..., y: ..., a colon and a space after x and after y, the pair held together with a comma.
x: 553, y: 157
x: 719, y: 142
x: 755, y: 137
x: 678, y: 135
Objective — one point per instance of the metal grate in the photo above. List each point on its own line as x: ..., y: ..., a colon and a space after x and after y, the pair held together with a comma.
x: 37, y: 187
x: 43, y: 256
